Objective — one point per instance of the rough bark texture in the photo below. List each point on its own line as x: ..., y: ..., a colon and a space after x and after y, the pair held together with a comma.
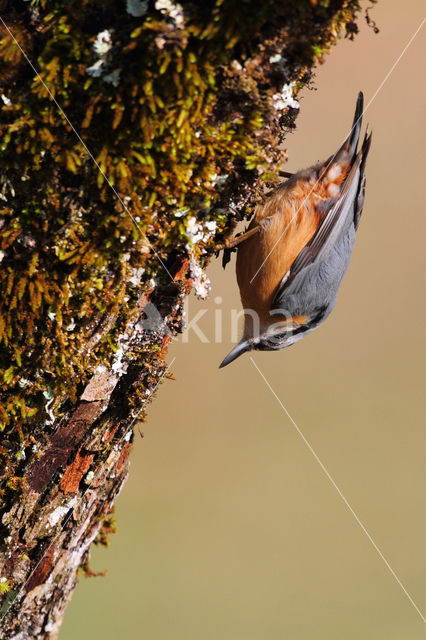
x: 183, y: 109
x: 70, y: 487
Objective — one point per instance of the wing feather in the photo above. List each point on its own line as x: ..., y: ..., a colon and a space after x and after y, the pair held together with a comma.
x: 343, y: 213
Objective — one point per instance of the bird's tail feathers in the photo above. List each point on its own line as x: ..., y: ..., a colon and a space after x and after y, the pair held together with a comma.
x: 350, y: 145
x: 366, y: 143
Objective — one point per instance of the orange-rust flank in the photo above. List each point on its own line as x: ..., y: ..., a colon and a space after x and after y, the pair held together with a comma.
x: 292, y: 321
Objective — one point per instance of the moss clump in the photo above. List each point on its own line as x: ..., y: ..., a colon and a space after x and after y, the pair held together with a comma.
x: 4, y: 586
x: 109, y: 527
x: 176, y: 109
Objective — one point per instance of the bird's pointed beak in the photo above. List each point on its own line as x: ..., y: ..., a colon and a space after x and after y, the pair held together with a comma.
x: 237, y: 351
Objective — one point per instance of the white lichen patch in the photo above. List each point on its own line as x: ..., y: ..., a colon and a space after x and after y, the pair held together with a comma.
x: 48, y: 393
x: 20, y: 455
x: 103, y: 43
x: 71, y: 325
x: 96, y: 69
x: 137, y: 8
x: 118, y: 366
x: 24, y: 382
x: 61, y: 511
x: 136, y: 278
x: 172, y: 10
x: 89, y: 477
x: 199, y: 231
x: 200, y: 281
x: 285, y: 98
x: 194, y: 230
x: 218, y: 180
x: 102, y: 47
x: 112, y: 78
x: 181, y: 212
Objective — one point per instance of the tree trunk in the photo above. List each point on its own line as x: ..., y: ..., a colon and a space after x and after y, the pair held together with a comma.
x: 126, y: 134
x: 68, y: 490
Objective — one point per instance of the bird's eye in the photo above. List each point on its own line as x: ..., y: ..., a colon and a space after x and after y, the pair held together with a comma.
x: 273, y: 342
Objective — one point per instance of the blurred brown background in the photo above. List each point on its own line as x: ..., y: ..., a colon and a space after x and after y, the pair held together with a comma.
x: 228, y: 527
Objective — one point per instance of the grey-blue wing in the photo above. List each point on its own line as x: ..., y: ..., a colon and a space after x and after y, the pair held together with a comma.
x: 313, y: 290
x: 315, y: 275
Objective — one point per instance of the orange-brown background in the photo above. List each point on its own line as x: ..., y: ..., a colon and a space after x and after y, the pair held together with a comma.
x: 228, y: 527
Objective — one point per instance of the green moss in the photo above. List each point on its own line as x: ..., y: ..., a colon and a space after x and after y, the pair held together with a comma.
x: 5, y: 586
x: 181, y: 112
x: 109, y: 527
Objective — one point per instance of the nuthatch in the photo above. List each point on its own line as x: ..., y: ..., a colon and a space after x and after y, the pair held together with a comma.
x: 292, y: 259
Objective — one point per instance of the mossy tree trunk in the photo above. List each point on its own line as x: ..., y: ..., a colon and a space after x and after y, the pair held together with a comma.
x: 126, y: 131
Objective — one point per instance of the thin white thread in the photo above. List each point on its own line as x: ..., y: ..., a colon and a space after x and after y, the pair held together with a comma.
x: 4, y: 613
x: 89, y: 153
x: 332, y: 158
x: 330, y: 478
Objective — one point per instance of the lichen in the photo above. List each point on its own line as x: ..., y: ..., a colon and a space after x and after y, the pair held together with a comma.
x: 147, y: 131
x: 176, y: 106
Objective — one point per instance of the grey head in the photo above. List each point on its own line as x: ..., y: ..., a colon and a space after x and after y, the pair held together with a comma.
x: 276, y: 339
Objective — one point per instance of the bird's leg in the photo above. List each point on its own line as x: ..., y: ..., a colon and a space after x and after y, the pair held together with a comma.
x: 228, y: 237
x: 230, y: 243
x: 233, y: 224
x: 227, y: 243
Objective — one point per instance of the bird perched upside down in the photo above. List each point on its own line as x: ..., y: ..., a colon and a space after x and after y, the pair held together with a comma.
x: 292, y: 259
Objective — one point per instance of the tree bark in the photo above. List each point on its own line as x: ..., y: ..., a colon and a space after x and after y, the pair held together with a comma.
x: 183, y: 108
x: 70, y: 488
